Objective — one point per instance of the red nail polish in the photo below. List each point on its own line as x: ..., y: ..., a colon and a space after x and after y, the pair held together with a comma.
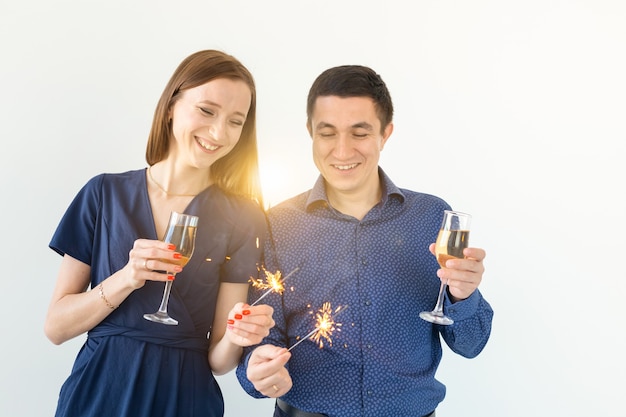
x: 231, y: 321
x: 171, y: 246
x: 245, y: 312
x: 171, y: 277
x: 238, y: 316
x: 177, y: 255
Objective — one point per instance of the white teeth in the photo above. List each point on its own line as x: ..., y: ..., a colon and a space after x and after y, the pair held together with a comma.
x: 207, y: 147
x: 345, y: 167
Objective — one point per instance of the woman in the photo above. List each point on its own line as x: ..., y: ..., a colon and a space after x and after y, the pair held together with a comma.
x: 203, y: 160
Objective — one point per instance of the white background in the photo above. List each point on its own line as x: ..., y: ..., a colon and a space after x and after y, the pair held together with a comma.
x: 510, y: 110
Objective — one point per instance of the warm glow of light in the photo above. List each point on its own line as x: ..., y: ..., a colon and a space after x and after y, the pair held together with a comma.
x: 278, y: 182
x: 273, y: 180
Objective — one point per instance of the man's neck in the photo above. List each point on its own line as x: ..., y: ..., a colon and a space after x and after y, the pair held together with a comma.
x: 356, y: 205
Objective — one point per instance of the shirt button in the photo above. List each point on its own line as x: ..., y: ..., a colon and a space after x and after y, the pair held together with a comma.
x: 364, y: 261
x: 370, y: 392
x: 369, y: 345
x: 368, y: 303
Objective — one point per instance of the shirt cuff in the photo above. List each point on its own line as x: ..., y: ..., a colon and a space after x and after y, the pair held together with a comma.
x: 462, y: 309
x: 243, y: 378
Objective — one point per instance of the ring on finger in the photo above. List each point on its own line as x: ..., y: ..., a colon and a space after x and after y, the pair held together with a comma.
x: 275, y: 388
x: 145, y: 264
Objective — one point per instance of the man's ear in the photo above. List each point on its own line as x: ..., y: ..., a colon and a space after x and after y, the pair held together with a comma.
x: 386, y: 133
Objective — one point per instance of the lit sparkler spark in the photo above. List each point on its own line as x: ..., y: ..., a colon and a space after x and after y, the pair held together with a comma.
x: 325, y: 325
x: 273, y: 282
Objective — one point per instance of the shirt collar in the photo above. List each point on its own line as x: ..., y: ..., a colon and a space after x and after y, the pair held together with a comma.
x: 389, y: 189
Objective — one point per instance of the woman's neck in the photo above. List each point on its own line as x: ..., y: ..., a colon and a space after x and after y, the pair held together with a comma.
x: 175, y: 182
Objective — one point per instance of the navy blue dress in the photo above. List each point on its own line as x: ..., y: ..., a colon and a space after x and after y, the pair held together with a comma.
x: 130, y: 366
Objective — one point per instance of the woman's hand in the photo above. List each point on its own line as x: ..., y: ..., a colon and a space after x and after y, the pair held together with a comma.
x: 73, y: 310
x: 249, y: 325
x: 236, y: 324
x: 147, y: 258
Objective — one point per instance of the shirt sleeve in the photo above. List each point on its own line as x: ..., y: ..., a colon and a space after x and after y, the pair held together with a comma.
x: 472, y: 325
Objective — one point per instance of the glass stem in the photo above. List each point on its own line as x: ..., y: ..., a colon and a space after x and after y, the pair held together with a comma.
x: 439, y: 307
x: 166, y: 296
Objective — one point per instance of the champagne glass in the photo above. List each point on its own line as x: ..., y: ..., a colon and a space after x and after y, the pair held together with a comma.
x: 453, y: 237
x: 181, y: 231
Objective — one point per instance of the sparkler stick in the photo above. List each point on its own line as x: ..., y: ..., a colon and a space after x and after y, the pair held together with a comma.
x: 325, y: 325
x: 272, y: 283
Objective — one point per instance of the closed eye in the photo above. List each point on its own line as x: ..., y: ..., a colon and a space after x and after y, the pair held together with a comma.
x: 207, y: 111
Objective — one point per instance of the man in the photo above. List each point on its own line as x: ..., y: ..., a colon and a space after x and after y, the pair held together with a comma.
x: 365, y: 245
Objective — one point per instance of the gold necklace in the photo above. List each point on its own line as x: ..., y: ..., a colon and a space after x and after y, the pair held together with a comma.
x: 163, y: 189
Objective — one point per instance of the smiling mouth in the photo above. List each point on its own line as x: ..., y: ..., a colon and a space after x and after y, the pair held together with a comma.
x: 207, y: 146
x: 346, y: 167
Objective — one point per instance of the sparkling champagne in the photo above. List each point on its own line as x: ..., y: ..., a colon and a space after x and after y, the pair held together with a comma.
x: 182, y: 261
x: 450, y: 244
x: 452, y: 239
x: 181, y: 231
x: 183, y: 237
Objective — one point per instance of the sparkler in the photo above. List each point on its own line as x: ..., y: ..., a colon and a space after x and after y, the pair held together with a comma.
x: 272, y: 282
x: 325, y: 325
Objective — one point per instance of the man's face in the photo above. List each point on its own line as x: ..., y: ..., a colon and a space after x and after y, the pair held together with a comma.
x: 347, y: 141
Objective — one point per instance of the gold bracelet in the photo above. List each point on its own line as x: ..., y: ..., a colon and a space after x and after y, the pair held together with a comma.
x: 101, y: 292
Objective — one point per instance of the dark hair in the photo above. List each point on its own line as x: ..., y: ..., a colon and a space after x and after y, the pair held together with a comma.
x: 238, y: 171
x: 352, y: 81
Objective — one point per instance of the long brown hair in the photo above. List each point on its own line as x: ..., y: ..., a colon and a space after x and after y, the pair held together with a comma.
x: 238, y: 171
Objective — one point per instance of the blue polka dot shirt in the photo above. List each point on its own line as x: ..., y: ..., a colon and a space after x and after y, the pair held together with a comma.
x: 381, y: 358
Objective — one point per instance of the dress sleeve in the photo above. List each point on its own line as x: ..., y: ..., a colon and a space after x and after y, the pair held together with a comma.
x: 245, y: 248
x: 75, y: 233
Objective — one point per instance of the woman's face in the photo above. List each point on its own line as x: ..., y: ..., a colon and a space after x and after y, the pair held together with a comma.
x: 207, y: 121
